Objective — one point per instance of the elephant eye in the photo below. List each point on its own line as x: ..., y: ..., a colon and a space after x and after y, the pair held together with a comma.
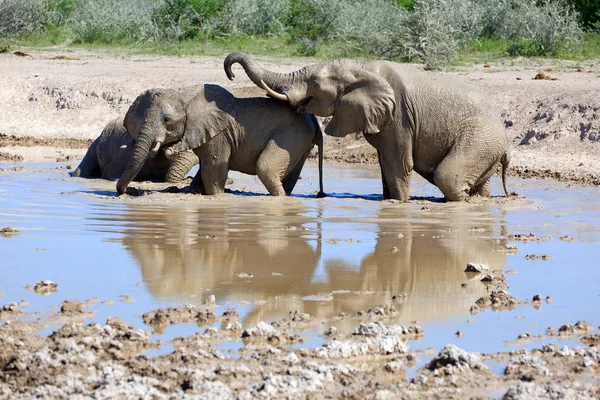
x: 166, y: 119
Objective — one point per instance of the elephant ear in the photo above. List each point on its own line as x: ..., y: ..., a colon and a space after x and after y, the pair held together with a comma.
x: 367, y: 104
x: 137, y: 113
x: 201, y: 126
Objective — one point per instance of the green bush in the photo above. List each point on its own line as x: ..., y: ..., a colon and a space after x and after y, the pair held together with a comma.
x: 589, y: 12
x: 112, y: 21
x: 187, y: 19
x: 543, y: 28
x: 433, y: 31
x: 437, y: 29
x: 21, y: 18
x: 254, y: 17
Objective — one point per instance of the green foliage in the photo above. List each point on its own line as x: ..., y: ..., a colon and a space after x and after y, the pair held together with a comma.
x: 21, y: 18
x: 589, y: 12
x: 112, y: 21
x: 408, y: 4
x: 435, y: 32
x: 255, y: 17
x: 4, y: 47
x: 187, y: 19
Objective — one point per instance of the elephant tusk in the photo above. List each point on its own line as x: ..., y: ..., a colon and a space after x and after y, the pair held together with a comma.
x: 273, y: 93
x: 170, y: 154
x: 154, y: 151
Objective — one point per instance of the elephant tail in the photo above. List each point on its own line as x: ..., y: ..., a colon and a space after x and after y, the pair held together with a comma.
x: 505, y: 160
x: 89, y: 166
x: 319, y: 142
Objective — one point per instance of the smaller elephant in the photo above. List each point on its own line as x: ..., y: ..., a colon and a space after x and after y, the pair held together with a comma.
x: 109, y: 154
x: 253, y: 135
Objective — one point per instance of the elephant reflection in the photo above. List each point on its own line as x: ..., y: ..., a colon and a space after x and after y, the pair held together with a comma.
x: 201, y: 249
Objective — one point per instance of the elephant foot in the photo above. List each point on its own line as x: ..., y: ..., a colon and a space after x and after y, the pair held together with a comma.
x: 229, y: 182
x: 192, y: 189
x: 135, y: 192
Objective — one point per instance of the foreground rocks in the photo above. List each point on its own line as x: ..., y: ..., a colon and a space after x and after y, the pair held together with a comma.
x: 109, y: 361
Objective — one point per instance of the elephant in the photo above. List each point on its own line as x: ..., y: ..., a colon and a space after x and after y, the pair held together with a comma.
x: 109, y: 154
x: 252, y: 135
x: 446, y: 131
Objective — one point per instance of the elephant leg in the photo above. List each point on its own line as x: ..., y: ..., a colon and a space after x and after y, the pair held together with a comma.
x: 270, y: 172
x: 178, y: 169
x: 457, y: 173
x: 113, y: 170
x: 483, y: 189
x: 214, y: 165
x: 282, y: 155
x: 89, y: 166
x: 289, y: 182
x: 386, y: 191
x: 396, y: 170
x: 196, y: 186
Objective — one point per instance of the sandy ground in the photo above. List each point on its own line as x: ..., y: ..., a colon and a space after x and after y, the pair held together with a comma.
x: 554, y: 123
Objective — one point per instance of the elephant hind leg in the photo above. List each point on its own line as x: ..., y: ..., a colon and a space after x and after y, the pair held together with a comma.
x: 270, y: 173
x: 483, y: 189
x: 282, y: 160
x: 89, y: 166
x: 452, y: 178
x: 289, y: 182
x: 466, y: 170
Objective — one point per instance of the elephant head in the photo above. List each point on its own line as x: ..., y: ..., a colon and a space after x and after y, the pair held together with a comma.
x: 160, y: 117
x: 357, y: 99
x: 156, y: 117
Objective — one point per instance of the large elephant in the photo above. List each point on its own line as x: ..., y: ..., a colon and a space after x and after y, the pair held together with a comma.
x: 109, y: 154
x: 445, y: 130
x: 253, y: 135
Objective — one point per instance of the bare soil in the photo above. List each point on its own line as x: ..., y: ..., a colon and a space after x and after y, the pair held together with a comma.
x: 108, y: 360
x: 64, y: 99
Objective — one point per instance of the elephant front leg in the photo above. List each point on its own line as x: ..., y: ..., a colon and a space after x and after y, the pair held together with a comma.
x: 196, y: 186
x: 396, y: 171
x: 386, y: 191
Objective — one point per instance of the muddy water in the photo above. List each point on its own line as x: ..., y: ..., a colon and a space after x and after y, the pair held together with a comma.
x: 268, y: 256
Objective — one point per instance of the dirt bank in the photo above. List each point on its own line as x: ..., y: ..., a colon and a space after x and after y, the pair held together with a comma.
x: 554, y: 123
x: 109, y: 361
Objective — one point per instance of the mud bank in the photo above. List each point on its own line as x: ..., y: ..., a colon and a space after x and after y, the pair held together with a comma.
x: 108, y: 361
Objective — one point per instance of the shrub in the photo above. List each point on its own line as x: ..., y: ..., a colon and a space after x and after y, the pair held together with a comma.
x: 23, y: 17
x: 254, y: 17
x: 109, y: 21
x: 429, y: 35
x: 542, y: 29
x: 375, y: 26
x: 187, y: 19
x: 436, y: 29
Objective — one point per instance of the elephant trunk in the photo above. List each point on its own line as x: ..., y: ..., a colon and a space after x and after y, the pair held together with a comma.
x: 141, y: 151
x: 277, y: 82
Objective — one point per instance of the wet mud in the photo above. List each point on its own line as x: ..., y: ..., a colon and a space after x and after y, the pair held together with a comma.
x: 242, y: 295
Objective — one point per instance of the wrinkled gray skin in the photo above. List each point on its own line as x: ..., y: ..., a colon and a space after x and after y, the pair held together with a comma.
x: 109, y: 154
x: 256, y: 136
x: 446, y: 131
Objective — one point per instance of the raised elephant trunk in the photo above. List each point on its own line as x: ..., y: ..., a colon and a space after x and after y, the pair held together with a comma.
x: 141, y: 150
x: 274, y: 83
